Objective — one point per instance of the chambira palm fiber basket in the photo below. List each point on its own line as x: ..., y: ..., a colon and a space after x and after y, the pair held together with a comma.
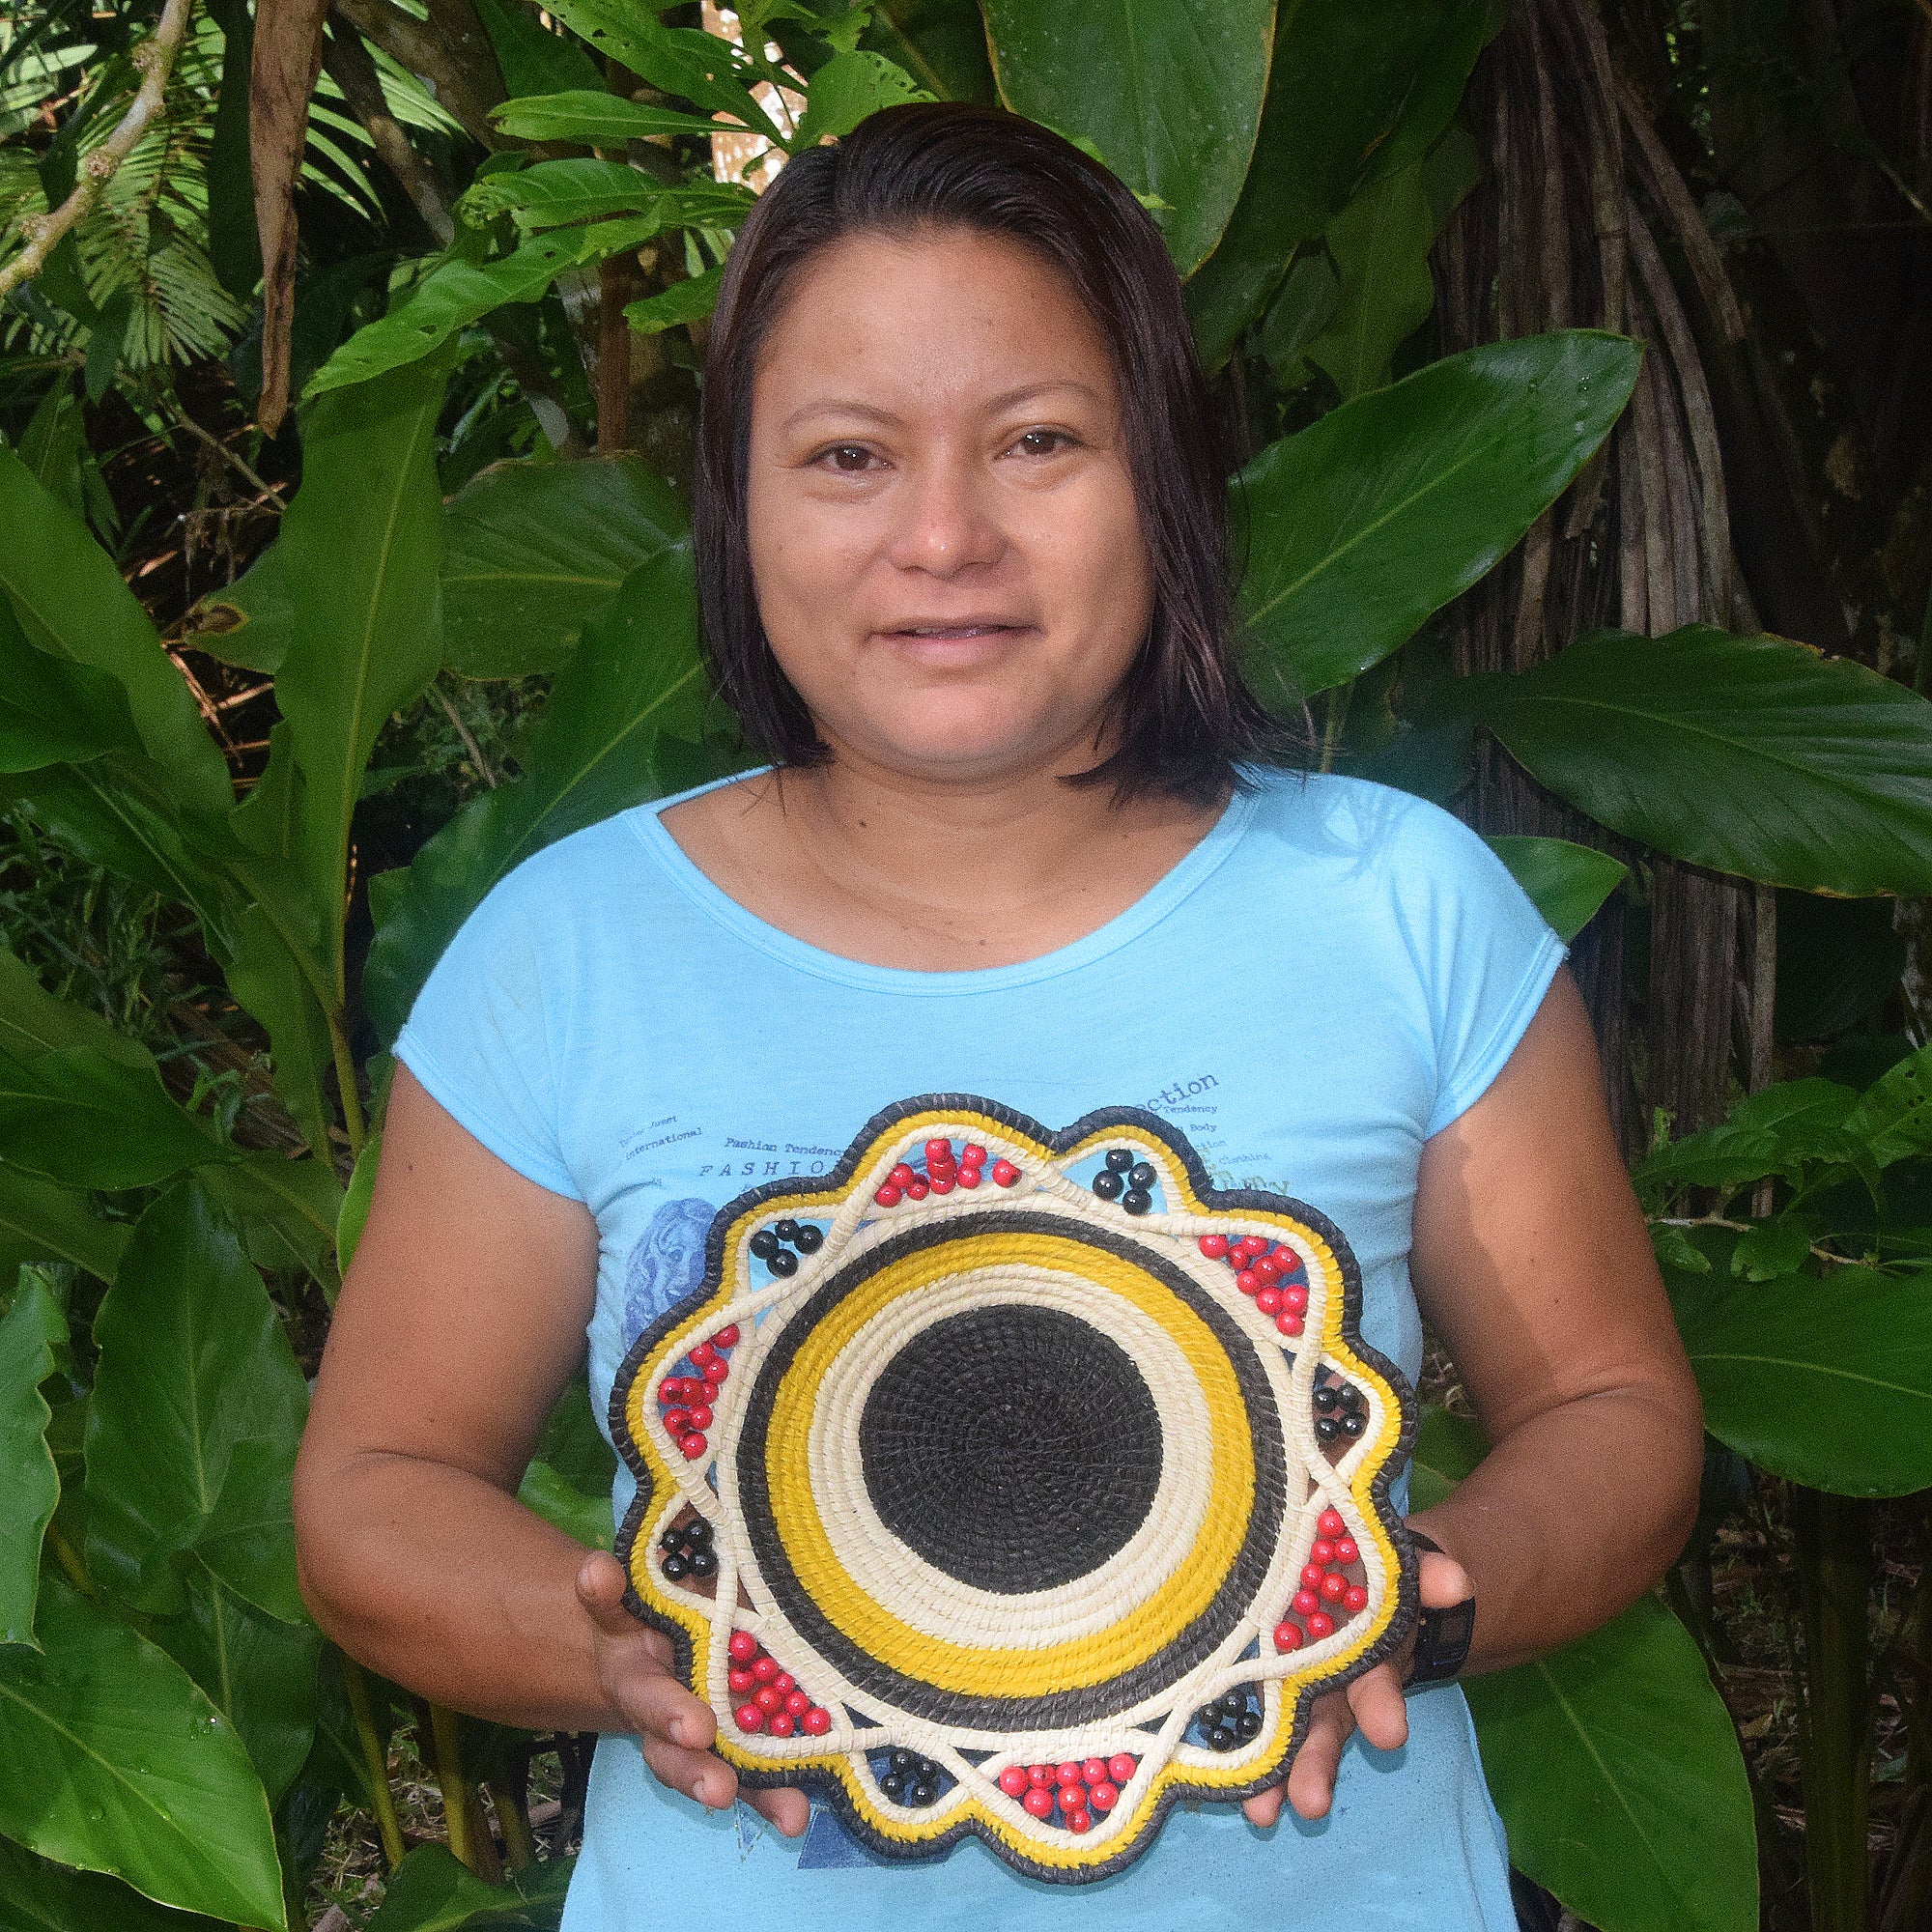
x: 1015, y: 1483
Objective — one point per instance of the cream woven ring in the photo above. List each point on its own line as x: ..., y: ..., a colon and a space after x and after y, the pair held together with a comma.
x: 942, y: 1606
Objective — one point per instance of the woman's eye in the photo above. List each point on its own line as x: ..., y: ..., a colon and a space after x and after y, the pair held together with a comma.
x: 1041, y: 442
x: 851, y: 456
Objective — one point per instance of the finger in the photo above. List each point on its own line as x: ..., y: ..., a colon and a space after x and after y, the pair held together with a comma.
x: 1310, y: 1779
x: 1442, y: 1581
x: 1265, y: 1807
x: 697, y: 1773
x: 656, y: 1705
x: 1382, y: 1711
x: 790, y: 1810
x: 600, y: 1588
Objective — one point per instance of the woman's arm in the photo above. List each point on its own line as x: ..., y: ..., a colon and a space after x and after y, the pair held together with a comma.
x: 459, y: 1321
x: 1531, y: 1260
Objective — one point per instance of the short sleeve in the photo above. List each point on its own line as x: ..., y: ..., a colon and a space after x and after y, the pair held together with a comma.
x: 478, y: 1038
x: 1485, y: 955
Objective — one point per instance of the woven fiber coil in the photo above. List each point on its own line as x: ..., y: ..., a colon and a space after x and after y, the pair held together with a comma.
x: 1016, y: 1483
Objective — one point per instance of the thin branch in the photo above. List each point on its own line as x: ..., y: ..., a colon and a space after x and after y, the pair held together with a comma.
x: 269, y: 492
x: 464, y: 732
x: 154, y: 59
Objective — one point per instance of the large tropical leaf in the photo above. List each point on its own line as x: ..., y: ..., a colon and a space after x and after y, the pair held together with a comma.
x: 112, y: 1760
x: 1748, y: 755
x: 72, y: 602
x: 849, y: 87
x: 1775, y: 1131
x: 362, y: 545
x: 53, y: 710
x: 37, y: 1895
x: 31, y: 1331
x: 583, y: 189
x: 428, y: 1892
x: 1894, y: 1117
x: 1825, y: 1382
x: 1567, y: 881
x: 593, y: 118
x: 33, y: 1022
x: 599, y: 748
x: 1170, y: 92
x: 197, y: 1407
x: 86, y: 1120
x: 682, y: 61
x: 42, y: 1222
x: 532, y: 550
x: 1361, y: 526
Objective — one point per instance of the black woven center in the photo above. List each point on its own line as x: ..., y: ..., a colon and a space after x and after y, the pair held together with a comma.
x: 1013, y: 1448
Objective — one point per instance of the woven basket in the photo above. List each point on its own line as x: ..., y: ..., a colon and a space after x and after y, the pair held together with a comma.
x: 1015, y: 1483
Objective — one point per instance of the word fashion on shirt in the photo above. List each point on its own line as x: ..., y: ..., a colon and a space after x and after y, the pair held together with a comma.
x: 1015, y: 1483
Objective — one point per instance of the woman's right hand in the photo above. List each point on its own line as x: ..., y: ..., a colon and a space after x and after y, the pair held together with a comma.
x: 674, y: 1728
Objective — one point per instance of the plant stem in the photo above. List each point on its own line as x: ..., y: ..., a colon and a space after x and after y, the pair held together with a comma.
x: 375, y: 1761
x: 345, y: 1078
x: 1832, y: 1536
x: 462, y: 1810
x: 513, y: 1817
x: 1335, y: 715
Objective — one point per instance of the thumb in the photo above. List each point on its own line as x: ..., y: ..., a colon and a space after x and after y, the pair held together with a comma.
x: 1441, y: 1581
x: 600, y: 1588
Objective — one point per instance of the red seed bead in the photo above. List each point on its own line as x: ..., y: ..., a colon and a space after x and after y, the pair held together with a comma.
x: 1252, y: 1245
x: 816, y: 1721
x: 888, y: 1196
x: 1354, y: 1597
x: 1304, y: 1602
x: 784, y: 1681
x: 972, y: 1155
x: 677, y: 1422
x: 780, y: 1723
x: 749, y: 1718
x: 768, y: 1699
x: 714, y: 1373
x: 1079, y: 1821
x: 1312, y: 1574
x: 1067, y: 1772
x: 1004, y: 1172
x: 1295, y: 1299
x: 1248, y: 1282
x: 1094, y: 1771
x: 1039, y: 1801
x: 702, y: 1355
x: 1269, y: 1301
x: 1121, y: 1767
x: 939, y: 1151
x: 692, y: 1447
x: 1288, y: 1635
x: 1265, y: 1266
x: 1334, y: 1587
x: 696, y: 1389
x: 1104, y: 1795
x: 797, y: 1703
x: 698, y: 1417
x: 1039, y: 1774
x: 1014, y: 1782
x: 1345, y: 1551
x: 1320, y: 1625
x: 741, y: 1681
x: 672, y: 1389
x: 1288, y: 1324
x: 1323, y: 1553
x: 969, y: 1177
x: 766, y: 1671
x: 1330, y: 1524
x: 1286, y: 1260
x: 941, y: 1183
x: 902, y: 1176
x: 726, y: 1337
x: 1214, y: 1247
x: 744, y: 1646
x: 917, y: 1191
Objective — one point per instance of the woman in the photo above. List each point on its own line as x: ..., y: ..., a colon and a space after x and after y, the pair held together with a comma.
x: 961, y: 557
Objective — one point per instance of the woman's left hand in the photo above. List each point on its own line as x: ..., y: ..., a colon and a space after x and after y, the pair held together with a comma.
x: 1374, y: 1704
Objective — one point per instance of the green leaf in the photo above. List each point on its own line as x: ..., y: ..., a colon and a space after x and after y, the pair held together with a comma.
x: 681, y: 61
x: 40, y: 1221
x: 234, y: 246
x: 1618, y: 1776
x: 1768, y: 1249
x: 1447, y: 1447
x: 428, y: 1892
x: 37, y: 1895
x: 1568, y: 882
x: 847, y: 88
x: 1169, y: 91
x: 1773, y: 1132
x: 30, y: 1333
x: 1351, y: 90
x: 1893, y: 1116
x: 86, y: 1120
x: 1676, y: 1250
x: 112, y: 1760
x: 942, y: 43
x: 247, y: 623
x: 1380, y: 246
x: 1363, y: 524
x: 1828, y: 1383
x: 355, y: 1199
x: 286, y: 1211
x: 598, y: 749
x: 592, y: 118
x: 363, y: 549
x: 687, y: 300
x: 1753, y: 756
x: 53, y: 711
x: 1307, y: 304
x: 33, y: 1022
x: 564, y: 1507
x: 72, y: 602
x: 532, y: 58
x: 530, y: 550
x: 195, y: 1364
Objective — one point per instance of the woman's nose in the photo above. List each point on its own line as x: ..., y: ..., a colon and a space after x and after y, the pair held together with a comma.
x: 943, y: 522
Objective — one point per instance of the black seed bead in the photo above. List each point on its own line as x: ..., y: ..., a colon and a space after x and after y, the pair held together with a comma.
x: 920, y: 1794
x: 1326, y: 1399
x: 902, y: 1761
x: 1222, y: 1739
x: 1326, y: 1428
x: 764, y: 1244
x: 1353, y: 1396
x: 674, y: 1569
x: 1108, y: 1185
x: 697, y: 1531
x: 892, y: 1784
x: 786, y: 1231
x: 1353, y: 1424
x: 1118, y: 1159
x: 1235, y: 1703
x: 1248, y: 1725
x: 672, y: 1539
x: 703, y: 1563
x: 1136, y: 1201
x: 782, y: 1261
x: 1209, y: 1715
x: 1142, y: 1174
x: 808, y: 1240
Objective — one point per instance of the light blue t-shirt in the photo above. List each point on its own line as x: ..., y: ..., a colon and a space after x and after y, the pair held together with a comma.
x: 1330, y: 977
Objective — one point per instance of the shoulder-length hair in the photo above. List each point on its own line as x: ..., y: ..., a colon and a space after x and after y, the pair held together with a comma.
x: 1186, y: 721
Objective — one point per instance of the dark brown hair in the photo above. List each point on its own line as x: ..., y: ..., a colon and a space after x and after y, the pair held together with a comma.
x: 1186, y: 719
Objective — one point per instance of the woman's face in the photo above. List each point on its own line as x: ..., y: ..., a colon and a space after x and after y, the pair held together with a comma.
x: 943, y: 530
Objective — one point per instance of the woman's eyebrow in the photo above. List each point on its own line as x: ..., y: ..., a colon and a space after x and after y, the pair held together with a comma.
x: 1008, y: 399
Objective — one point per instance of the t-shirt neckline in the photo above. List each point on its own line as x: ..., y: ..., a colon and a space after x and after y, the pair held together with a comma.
x: 1153, y: 906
